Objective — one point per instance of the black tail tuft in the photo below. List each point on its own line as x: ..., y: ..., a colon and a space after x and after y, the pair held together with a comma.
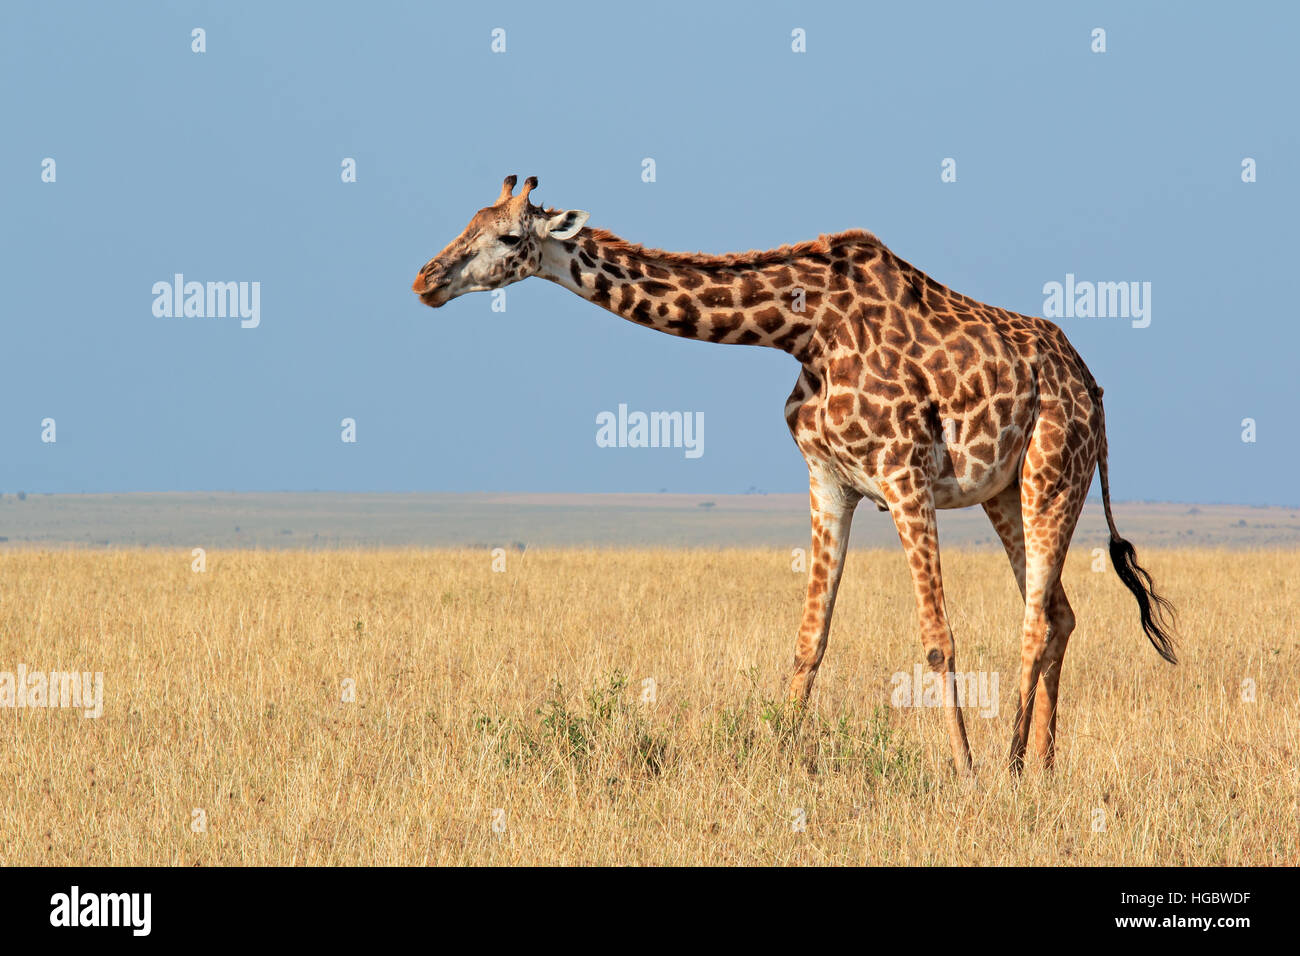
x: 1157, y: 613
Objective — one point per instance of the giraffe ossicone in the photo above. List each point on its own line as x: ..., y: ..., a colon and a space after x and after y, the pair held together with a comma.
x: 909, y: 394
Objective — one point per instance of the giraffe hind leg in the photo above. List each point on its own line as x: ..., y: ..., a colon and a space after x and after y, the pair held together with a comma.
x: 1003, y: 510
x: 1060, y: 625
x: 1004, y: 513
x: 1053, y: 485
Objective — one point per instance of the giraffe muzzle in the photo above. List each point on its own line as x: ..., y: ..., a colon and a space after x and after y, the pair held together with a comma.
x: 429, y: 286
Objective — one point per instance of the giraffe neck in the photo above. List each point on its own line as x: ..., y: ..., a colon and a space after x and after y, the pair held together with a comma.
x: 774, y: 299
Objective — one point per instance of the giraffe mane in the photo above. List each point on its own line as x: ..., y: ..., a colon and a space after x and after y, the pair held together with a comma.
x: 821, y: 246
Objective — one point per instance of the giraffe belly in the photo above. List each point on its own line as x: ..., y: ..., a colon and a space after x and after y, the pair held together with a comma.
x: 962, y: 481
x: 977, y: 482
x: 958, y: 493
x: 956, y: 479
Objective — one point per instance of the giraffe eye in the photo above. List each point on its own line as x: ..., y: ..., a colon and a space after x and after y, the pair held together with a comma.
x: 510, y: 240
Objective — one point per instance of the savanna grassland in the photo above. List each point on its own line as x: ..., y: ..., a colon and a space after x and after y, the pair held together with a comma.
x: 504, y: 717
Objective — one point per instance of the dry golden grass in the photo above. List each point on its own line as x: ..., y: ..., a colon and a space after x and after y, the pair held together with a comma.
x: 479, y: 692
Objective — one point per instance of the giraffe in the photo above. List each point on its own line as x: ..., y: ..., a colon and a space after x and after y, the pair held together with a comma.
x: 909, y: 395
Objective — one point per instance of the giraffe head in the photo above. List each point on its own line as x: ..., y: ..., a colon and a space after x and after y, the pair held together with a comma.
x: 502, y: 244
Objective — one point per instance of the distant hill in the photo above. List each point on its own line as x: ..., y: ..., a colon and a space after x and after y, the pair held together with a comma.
x: 334, y: 520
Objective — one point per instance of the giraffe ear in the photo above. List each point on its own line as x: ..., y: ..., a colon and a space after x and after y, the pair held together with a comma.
x: 565, y: 225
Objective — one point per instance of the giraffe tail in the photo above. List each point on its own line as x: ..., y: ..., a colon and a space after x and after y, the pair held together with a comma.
x: 1157, y: 613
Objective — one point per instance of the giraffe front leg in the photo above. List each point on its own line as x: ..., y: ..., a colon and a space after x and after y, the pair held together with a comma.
x: 911, y: 504
x: 832, y: 514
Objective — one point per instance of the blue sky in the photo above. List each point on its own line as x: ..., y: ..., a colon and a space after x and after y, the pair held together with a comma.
x: 225, y: 166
